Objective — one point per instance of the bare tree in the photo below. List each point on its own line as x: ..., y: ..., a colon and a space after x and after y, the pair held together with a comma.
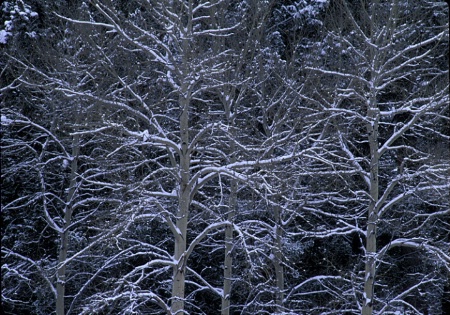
x: 387, y: 92
x: 175, y: 37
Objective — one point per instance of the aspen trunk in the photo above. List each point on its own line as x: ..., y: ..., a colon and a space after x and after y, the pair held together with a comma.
x: 184, y: 192
x: 179, y: 270
x: 371, y: 232
x: 228, y: 260
x: 373, y: 116
x: 278, y: 261
x: 64, y: 237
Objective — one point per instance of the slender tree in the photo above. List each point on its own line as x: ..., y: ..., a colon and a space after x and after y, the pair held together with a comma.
x: 382, y: 110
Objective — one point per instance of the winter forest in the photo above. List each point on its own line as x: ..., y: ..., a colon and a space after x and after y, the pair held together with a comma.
x: 225, y: 157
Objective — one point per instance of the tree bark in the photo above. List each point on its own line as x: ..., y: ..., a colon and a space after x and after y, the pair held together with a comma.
x: 278, y: 261
x: 371, y: 231
x: 64, y: 237
x: 184, y: 189
x: 228, y: 260
x: 179, y: 270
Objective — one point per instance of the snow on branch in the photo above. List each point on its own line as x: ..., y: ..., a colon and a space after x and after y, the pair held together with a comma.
x: 223, y: 32
x: 401, y: 196
x: 218, y: 291
x: 401, y: 54
x: 399, y: 298
x: 7, y: 252
x: 129, y: 296
x: 318, y: 279
x: 417, y: 243
x: 23, y: 120
x: 110, y: 26
x: 340, y: 74
x: 202, y: 235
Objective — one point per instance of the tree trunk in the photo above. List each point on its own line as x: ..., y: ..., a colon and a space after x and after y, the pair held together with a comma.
x: 64, y: 240
x: 371, y: 232
x: 278, y: 261
x: 184, y: 192
x: 179, y: 270
x: 228, y: 260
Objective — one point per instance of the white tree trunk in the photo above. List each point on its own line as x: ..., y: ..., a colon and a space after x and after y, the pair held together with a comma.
x: 184, y: 195
x: 64, y: 240
x: 371, y: 231
x: 228, y: 260
x: 278, y: 261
